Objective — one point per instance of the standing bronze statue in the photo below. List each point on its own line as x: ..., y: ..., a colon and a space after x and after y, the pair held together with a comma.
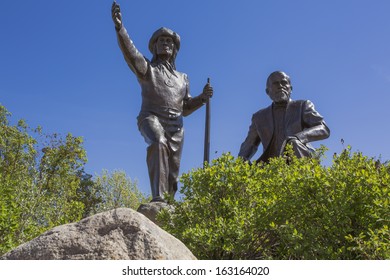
x: 165, y: 100
x: 284, y: 122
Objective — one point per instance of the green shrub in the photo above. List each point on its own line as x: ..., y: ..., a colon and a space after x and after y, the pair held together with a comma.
x: 297, y: 210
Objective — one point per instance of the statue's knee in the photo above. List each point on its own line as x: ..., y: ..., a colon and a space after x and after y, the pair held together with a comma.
x: 294, y: 142
x: 300, y: 149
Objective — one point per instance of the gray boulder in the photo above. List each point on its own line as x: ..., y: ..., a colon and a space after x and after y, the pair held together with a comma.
x: 151, y: 210
x: 119, y: 234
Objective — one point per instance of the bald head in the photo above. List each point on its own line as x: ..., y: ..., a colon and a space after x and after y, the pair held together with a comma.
x: 278, y: 74
x: 279, y: 87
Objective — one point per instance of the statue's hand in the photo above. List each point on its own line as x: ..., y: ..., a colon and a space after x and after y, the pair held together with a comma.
x: 116, y: 15
x: 207, y: 91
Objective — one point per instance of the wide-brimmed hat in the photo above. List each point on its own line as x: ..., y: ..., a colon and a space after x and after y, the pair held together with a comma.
x: 163, y: 31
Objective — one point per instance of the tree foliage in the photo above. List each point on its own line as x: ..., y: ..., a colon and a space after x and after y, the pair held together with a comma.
x: 40, y: 180
x: 43, y: 183
x: 287, y: 209
x: 115, y: 189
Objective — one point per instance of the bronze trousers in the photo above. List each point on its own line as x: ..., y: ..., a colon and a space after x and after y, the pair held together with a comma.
x: 165, y: 139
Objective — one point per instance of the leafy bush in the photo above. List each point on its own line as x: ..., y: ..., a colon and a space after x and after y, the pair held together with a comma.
x: 296, y: 210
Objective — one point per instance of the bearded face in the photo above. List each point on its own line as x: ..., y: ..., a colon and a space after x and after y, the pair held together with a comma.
x: 279, y: 87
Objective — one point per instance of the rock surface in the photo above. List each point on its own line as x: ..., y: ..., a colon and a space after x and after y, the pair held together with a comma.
x: 151, y: 209
x: 119, y: 234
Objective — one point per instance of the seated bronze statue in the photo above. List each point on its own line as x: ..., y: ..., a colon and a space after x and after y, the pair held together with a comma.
x: 284, y: 122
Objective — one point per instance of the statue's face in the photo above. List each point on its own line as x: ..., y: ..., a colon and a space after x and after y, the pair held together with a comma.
x: 164, y: 46
x: 279, y: 88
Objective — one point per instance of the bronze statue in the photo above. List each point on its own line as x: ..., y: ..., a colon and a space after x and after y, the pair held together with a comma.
x: 284, y: 122
x: 165, y: 100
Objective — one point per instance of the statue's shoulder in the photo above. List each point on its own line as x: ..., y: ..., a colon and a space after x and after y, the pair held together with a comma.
x: 184, y: 75
x: 305, y: 104
x: 262, y: 112
x: 298, y: 104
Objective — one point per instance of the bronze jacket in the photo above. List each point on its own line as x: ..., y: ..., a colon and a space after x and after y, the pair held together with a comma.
x: 301, y: 121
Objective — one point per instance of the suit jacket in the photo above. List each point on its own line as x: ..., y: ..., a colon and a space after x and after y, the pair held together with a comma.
x: 301, y: 121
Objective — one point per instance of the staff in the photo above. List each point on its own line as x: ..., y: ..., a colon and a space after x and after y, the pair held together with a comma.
x: 206, y: 157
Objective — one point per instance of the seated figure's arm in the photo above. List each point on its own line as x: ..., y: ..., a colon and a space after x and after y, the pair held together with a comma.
x: 250, y: 145
x: 314, y: 125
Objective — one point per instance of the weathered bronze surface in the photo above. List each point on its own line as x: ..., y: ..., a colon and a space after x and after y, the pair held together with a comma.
x: 165, y: 100
x: 284, y: 122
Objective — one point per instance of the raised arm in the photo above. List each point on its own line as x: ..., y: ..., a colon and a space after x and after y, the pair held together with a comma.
x: 136, y: 61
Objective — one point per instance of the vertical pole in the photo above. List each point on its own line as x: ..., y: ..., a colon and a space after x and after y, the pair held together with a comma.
x: 206, y: 157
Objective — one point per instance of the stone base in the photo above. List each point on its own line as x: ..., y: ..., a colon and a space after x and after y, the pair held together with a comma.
x: 151, y: 209
x: 119, y: 234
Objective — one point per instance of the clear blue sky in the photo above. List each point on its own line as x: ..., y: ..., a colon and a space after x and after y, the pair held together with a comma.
x: 61, y: 68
